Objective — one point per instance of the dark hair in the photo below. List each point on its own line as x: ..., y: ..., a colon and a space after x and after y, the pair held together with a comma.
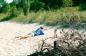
x: 41, y: 27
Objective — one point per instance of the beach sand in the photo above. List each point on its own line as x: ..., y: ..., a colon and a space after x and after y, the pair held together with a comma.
x: 10, y: 46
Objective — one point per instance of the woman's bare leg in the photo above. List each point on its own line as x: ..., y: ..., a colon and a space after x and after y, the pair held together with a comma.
x: 23, y: 37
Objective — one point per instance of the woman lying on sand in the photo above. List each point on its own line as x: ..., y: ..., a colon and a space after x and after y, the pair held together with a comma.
x: 37, y: 32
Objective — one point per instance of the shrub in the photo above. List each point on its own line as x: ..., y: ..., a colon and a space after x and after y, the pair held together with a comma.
x: 82, y: 6
x: 36, y: 5
x: 67, y: 3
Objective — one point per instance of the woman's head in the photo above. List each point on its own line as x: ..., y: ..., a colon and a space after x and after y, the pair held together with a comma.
x: 41, y: 27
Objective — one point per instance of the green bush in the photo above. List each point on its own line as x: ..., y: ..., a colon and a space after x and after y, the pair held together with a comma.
x: 36, y: 5
x: 67, y: 3
x: 6, y: 8
x: 83, y: 6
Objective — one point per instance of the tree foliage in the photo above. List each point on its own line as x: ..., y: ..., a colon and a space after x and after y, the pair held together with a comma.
x: 36, y: 5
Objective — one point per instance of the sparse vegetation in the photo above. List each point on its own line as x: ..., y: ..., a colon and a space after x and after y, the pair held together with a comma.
x: 71, y: 43
x: 66, y: 17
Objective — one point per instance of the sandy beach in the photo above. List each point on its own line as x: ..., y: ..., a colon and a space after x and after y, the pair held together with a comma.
x: 10, y: 46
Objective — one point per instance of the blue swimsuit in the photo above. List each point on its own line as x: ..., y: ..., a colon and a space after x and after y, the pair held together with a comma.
x: 38, y: 32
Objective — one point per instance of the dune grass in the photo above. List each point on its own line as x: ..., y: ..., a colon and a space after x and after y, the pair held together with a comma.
x: 63, y: 16
x: 2, y: 15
